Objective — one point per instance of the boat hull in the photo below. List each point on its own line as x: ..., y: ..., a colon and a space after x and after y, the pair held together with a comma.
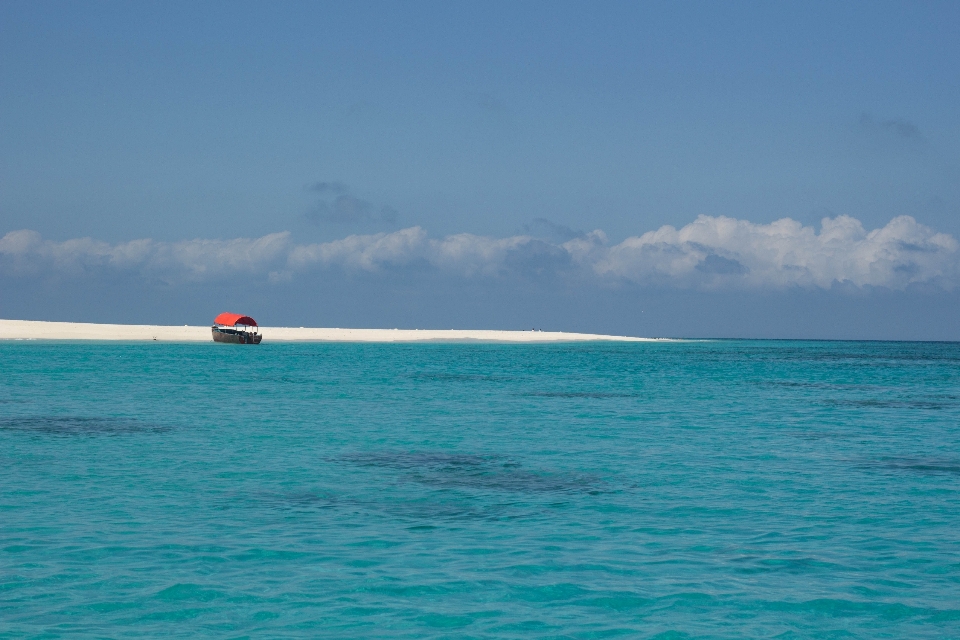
x: 232, y: 336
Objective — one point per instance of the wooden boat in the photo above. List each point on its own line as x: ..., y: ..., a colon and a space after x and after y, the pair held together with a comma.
x: 236, y: 329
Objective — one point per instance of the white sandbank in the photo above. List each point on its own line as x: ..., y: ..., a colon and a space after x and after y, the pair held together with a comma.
x: 40, y: 330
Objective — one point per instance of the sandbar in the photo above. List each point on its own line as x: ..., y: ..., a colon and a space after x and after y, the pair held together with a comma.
x: 42, y: 330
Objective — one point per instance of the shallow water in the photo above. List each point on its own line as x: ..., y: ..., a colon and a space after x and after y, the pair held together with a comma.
x: 712, y: 489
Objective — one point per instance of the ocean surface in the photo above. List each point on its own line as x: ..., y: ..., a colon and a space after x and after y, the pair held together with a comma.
x: 721, y: 489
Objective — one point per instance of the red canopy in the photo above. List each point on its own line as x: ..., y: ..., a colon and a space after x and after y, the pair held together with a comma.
x: 233, y: 319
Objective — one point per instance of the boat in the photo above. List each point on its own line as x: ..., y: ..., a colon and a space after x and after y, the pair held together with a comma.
x: 236, y: 329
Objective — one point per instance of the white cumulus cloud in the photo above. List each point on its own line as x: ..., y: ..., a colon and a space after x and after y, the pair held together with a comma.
x: 26, y: 252
x: 722, y: 251
x: 709, y: 253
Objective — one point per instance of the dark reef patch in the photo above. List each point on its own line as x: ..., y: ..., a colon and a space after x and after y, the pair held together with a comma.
x: 923, y: 466
x: 431, y: 508
x: 435, y: 511
x: 298, y: 501
x: 894, y: 403
x: 79, y: 426
x: 469, y: 471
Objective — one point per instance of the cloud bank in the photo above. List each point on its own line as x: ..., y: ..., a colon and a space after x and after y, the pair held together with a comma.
x: 711, y: 253
x: 345, y: 208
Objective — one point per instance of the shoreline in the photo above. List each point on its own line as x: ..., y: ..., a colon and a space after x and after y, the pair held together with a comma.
x: 43, y: 330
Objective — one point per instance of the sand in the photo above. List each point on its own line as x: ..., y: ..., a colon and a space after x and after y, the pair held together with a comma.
x: 39, y: 330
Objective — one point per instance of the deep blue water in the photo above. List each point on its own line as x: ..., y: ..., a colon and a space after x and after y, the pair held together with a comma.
x: 704, y: 489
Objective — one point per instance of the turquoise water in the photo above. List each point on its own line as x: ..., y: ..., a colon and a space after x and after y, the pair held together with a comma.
x: 701, y: 489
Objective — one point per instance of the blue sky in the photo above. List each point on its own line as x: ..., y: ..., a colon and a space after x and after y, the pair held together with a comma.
x: 173, y: 122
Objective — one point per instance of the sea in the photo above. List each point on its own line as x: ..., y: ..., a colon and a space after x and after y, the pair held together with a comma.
x: 688, y: 489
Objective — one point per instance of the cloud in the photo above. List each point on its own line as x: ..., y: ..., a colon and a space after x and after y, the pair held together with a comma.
x: 711, y: 253
x: 551, y: 231
x: 714, y: 252
x: 346, y: 209
x: 897, y: 126
x: 26, y: 253
x: 329, y: 187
